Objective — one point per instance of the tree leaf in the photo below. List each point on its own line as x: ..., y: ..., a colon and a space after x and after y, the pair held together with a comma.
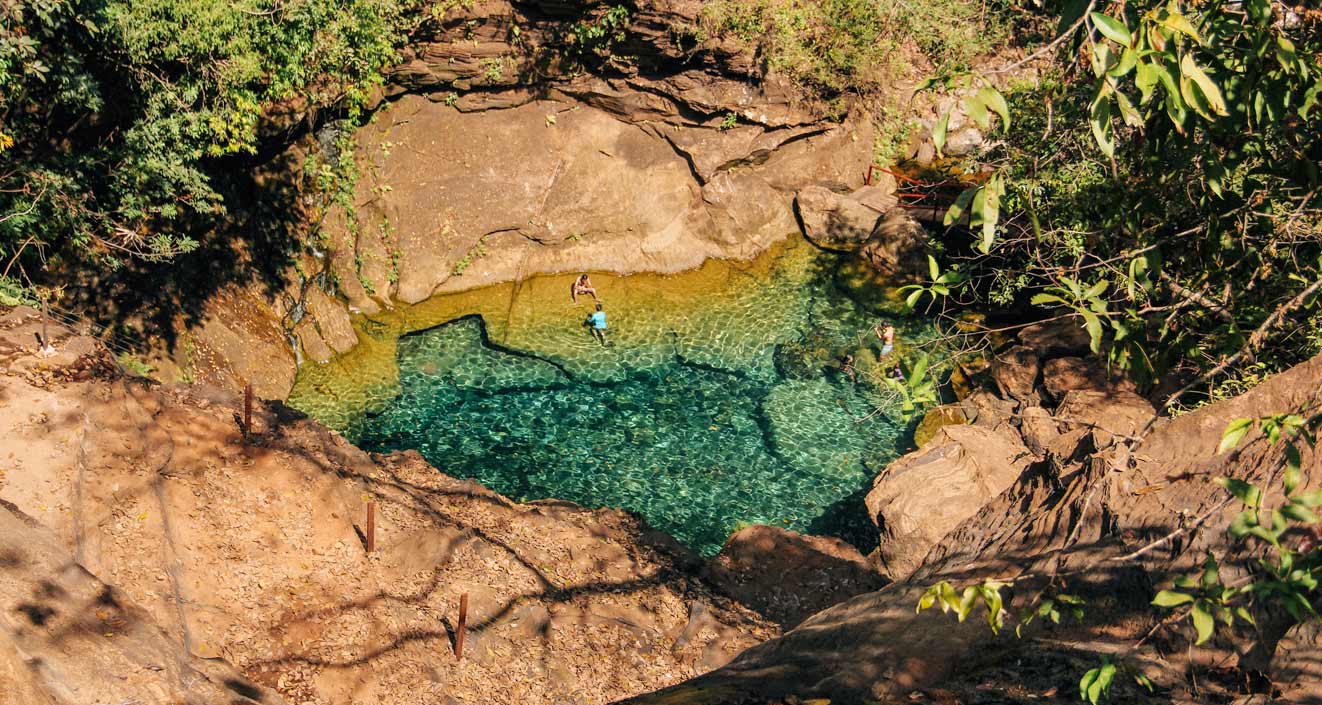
x: 1179, y: 23
x: 994, y: 100
x: 1112, y: 29
x: 939, y: 132
x: 1191, y: 70
x: 1145, y: 78
x: 990, y: 211
x: 956, y: 211
x: 1100, y: 121
x: 1299, y: 512
x: 1309, y: 499
x: 977, y: 111
x: 1093, y: 325
x: 1233, y: 434
x: 1130, y: 114
x: 1250, y: 495
x: 932, y: 267
x: 912, y: 300
x: 1171, y: 598
x: 1203, y: 622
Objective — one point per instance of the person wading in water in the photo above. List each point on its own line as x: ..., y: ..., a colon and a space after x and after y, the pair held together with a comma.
x: 597, y: 324
x: 887, y: 337
x: 582, y: 285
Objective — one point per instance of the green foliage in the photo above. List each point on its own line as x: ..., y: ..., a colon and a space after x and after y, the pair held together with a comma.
x: 599, y: 34
x: 1170, y: 156
x: 134, y: 365
x: 940, y: 284
x: 916, y: 388
x: 122, y: 112
x: 476, y: 252
x: 837, y: 45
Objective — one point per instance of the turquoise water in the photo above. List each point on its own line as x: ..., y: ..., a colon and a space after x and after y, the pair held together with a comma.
x: 732, y: 410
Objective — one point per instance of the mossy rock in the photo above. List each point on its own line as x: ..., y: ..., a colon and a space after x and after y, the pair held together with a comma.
x: 936, y: 419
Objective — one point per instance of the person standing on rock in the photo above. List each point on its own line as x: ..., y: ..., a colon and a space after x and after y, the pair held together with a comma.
x: 582, y: 285
x: 597, y: 324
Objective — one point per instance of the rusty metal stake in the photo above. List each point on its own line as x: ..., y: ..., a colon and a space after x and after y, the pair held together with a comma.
x: 371, y: 527
x: 463, y: 625
x: 247, y: 411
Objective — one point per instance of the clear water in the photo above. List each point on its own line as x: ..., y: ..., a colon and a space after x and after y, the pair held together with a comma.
x: 719, y: 402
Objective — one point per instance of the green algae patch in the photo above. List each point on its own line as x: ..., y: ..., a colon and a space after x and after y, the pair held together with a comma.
x: 722, y: 398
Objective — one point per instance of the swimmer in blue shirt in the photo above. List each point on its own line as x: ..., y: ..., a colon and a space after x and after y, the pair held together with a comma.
x: 597, y: 324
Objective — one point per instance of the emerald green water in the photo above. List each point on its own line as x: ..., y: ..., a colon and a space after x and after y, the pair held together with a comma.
x: 720, y: 401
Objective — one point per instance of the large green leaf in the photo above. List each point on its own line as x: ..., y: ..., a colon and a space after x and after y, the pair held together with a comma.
x: 1204, y: 84
x: 961, y: 205
x: 993, y: 99
x: 1099, y: 120
x: 1203, y: 622
x: 1112, y: 29
x: 1233, y: 434
x: 1179, y: 23
x: 1171, y: 598
x: 939, y: 132
x: 1145, y: 78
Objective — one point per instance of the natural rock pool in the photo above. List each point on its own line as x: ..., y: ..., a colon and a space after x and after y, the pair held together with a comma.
x: 719, y: 402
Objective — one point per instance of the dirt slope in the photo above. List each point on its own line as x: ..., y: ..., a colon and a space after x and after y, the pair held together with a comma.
x: 252, y: 553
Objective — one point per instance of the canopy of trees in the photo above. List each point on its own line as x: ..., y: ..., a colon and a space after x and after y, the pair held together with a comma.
x: 116, y: 114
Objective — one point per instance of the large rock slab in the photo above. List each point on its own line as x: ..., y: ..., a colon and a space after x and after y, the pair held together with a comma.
x: 1110, y: 415
x: 455, y: 200
x: 921, y: 497
x: 835, y: 221
x: 898, y: 246
x: 788, y: 576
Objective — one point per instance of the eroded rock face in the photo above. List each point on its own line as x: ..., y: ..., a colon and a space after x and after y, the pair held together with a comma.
x: 835, y: 221
x: 921, y: 497
x: 467, y: 199
x: 66, y: 637
x: 788, y: 576
x: 1015, y: 372
x: 1066, y: 374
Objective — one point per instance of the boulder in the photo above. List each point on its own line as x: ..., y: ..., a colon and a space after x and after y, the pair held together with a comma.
x: 834, y: 221
x: 1038, y: 429
x: 983, y: 408
x: 1066, y: 374
x: 788, y: 576
x: 897, y: 248
x: 921, y: 497
x: 1015, y: 372
x: 1065, y: 336
x: 1107, y: 414
x: 936, y: 419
